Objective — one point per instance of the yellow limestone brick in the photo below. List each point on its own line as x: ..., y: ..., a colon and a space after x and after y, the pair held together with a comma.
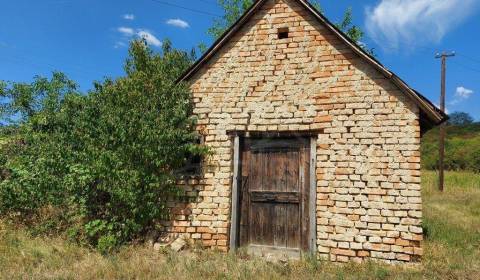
x: 368, y: 184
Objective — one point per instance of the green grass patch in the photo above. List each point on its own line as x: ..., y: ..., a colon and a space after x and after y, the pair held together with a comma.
x: 451, y: 222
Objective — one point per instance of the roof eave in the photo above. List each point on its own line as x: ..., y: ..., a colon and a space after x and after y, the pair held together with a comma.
x: 435, y: 116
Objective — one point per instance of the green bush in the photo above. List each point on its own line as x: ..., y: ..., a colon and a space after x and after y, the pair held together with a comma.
x: 462, y: 148
x: 108, y: 158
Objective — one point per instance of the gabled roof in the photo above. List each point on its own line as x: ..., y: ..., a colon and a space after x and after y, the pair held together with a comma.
x: 430, y: 114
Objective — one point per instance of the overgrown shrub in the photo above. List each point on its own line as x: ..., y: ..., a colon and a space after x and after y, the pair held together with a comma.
x: 107, y: 158
x: 462, y: 148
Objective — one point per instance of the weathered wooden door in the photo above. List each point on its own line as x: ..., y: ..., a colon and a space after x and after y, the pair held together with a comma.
x: 274, y: 195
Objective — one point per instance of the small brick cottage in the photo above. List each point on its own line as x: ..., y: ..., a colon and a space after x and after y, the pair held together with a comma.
x: 316, y: 144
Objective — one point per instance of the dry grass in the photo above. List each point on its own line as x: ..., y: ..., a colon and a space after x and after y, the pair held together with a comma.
x: 452, y: 223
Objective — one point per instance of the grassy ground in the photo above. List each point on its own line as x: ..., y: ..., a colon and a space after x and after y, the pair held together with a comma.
x: 452, y: 251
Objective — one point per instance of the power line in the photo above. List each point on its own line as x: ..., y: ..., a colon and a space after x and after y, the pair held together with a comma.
x: 185, y: 8
x: 24, y: 55
x: 86, y: 73
x: 397, y: 48
x: 470, y: 58
x: 211, y: 2
x: 466, y: 67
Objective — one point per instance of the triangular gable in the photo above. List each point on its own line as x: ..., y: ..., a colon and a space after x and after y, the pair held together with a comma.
x: 430, y: 114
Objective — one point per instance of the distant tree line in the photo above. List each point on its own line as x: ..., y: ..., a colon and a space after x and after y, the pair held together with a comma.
x: 460, y: 118
x: 462, y: 147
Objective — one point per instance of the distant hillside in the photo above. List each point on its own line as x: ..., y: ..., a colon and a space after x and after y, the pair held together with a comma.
x: 462, y: 148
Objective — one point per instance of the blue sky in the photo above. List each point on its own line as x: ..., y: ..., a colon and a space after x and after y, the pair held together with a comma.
x: 86, y: 38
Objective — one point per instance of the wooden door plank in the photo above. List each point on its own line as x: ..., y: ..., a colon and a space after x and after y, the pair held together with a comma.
x: 262, y: 224
x: 268, y: 225
x: 252, y: 216
x: 254, y: 225
x: 293, y: 228
x: 234, y: 210
x: 292, y: 211
x: 275, y: 197
x: 244, y: 212
x: 280, y: 223
x: 313, y: 196
x: 267, y: 172
x: 292, y: 169
x: 304, y: 185
x: 244, y: 194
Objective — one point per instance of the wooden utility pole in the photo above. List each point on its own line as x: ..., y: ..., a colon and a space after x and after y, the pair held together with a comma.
x: 441, y: 143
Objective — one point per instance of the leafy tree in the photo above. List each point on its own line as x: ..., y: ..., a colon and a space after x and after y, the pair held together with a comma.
x: 107, y: 160
x: 347, y: 26
x: 26, y: 101
x: 462, y: 148
x: 234, y: 9
x: 460, y: 118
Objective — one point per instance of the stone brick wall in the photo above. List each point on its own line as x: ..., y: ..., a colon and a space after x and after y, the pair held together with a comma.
x: 368, y: 159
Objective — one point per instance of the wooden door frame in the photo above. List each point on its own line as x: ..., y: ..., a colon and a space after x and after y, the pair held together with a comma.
x: 236, y: 137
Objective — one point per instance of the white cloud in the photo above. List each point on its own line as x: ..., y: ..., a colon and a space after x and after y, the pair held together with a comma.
x: 463, y: 93
x: 149, y: 38
x: 178, y: 23
x: 129, y: 16
x: 127, y: 31
x: 119, y: 44
x: 396, y: 23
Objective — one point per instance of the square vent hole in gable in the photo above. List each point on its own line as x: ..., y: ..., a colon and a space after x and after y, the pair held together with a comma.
x: 282, y: 33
